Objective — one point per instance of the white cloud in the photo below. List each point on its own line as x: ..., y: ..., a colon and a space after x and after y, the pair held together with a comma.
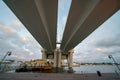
x: 31, y: 53
x: 15, y: 38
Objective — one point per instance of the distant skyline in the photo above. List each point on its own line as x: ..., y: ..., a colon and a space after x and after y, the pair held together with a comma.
x: 96, y: 47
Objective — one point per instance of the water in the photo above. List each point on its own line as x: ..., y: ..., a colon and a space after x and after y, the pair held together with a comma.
x: 93, y: 69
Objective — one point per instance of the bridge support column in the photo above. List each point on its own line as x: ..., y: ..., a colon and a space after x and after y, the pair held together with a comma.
x: 70, y: 61
x: 44, y: 56
x: 57, y: 60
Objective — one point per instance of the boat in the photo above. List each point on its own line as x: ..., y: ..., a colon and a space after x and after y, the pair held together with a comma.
x: 35, y: 65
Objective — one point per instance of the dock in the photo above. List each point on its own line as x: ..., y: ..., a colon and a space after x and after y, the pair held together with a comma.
x: 57, y: 76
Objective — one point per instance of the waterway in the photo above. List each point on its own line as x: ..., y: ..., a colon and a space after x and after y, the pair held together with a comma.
x: 91, y: 69
x: 95, y: 68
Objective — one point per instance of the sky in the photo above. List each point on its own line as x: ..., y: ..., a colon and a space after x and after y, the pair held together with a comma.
x: 102, y: 42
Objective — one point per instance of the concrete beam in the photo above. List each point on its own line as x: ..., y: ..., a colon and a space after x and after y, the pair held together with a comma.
x: 39, y: 17
x: 84, y: 17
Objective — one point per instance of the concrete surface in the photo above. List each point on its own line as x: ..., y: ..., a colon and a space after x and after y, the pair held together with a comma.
x: 56, y: 76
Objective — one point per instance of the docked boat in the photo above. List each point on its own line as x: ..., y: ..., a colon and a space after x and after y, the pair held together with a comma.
x: 35, y: 65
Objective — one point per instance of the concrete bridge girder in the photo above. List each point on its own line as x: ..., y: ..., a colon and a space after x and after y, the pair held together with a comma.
x: 84, y: 17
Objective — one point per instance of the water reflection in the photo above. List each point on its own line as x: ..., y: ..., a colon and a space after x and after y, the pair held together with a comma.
x: 93, y: 69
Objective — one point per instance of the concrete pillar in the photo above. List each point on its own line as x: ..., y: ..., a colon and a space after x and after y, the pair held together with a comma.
x: 70, y: 60
x: 57, y: 60
x: 62, y: 62
x: 44, y: 56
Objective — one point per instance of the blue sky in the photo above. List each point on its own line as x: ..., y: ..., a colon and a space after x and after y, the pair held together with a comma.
x: 95, y: 48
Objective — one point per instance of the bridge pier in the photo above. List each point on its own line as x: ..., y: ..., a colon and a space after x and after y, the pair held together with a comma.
x: 70, y: 61
x: 44, y: 56
x: 57, y: 60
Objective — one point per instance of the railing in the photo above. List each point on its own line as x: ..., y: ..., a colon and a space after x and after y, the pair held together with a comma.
x: 7, y: 67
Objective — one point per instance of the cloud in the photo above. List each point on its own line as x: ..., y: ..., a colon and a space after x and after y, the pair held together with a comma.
x: 15, y: 38
x: 97, y: 49
x: 108, y: 42
x: 92, y: 56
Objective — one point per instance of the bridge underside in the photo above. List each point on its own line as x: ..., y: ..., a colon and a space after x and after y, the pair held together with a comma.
x: 40, y: 18
x: 84, y: 17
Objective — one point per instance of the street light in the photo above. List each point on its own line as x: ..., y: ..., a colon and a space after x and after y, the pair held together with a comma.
x: 7, y: 54
x: 111, y: 57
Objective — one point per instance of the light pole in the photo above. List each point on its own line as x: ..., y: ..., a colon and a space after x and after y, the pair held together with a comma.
x: 111, y: 57
x: 7, y: 54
